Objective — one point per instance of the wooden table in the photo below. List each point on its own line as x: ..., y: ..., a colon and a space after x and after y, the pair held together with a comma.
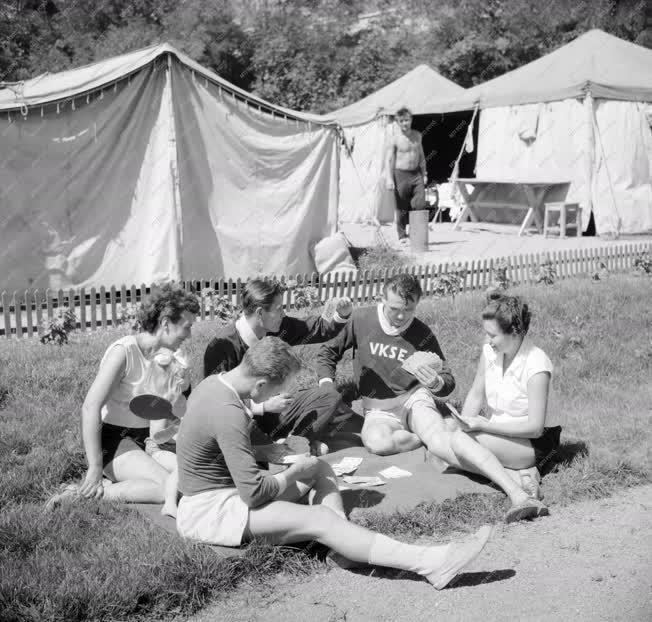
x: 532, y: 196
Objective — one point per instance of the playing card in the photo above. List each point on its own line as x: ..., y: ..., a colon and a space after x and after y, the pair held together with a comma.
x: 363, y: 480
x: 394, y: 473
x: 346, y: 465
x: 416, y: 360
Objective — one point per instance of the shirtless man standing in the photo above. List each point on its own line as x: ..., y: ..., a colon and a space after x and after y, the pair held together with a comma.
x: 406, y: 171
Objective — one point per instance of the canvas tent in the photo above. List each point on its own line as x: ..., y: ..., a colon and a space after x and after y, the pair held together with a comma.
x: 366, y: 124
x: 580, y: 113
x: 148, y: 166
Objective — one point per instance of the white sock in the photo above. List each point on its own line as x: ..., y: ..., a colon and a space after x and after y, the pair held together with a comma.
x: 439, y: 564
x: 420, y: 559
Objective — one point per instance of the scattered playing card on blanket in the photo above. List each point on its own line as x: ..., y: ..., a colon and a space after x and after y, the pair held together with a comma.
x: 363, y: 480
x: 347, y: 465
x: 416, y: 360
x: 394, y: 473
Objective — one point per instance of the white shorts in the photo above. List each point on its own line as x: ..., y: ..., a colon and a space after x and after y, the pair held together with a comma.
x: 396, y: 412
x: 214, y: 517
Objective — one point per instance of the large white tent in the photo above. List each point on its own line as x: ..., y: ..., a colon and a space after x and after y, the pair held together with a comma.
x: 366, y: 124
x: 148, y: 166
x: 580, y: 113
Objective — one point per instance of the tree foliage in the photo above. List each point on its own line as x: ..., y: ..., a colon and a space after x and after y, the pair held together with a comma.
x: 309, y: 54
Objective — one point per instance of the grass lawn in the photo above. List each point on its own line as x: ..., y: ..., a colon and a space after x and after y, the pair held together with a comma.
x: 103, y: 562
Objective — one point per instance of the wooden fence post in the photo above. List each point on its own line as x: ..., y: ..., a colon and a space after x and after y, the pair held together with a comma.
x: 103, y: 323
x: 6, y: 315
x: 28, y: 313
x: 82, y: 309
x: 114, y: 309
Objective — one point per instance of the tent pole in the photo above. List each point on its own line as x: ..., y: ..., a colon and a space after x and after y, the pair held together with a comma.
x: 456, y: 168
x: 618, y: 224
x: 590, y: 160
x: 174, y: 169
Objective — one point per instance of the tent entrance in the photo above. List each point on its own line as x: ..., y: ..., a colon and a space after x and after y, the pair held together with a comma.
x: 442, y: 138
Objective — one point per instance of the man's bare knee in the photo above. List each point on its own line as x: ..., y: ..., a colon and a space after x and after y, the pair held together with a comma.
x: 322, y: 520
x: 379, y: 443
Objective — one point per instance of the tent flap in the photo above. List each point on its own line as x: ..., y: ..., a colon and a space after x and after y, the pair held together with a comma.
x: 255, y: 191
x: 82, y: 194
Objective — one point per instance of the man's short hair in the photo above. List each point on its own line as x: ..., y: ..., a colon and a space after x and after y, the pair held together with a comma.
x: 404, y: 285
x: 403, y: 112
x: 259, y: 293
x: 271, y: 358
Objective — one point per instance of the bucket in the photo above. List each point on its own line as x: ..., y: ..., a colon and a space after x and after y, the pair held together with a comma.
x: 386, y: 206
x: 419, y: 230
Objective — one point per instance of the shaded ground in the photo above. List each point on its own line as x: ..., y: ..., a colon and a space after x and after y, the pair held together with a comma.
x: 588, y: 561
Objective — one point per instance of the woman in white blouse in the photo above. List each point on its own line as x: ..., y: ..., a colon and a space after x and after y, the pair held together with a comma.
x: 513, y: 382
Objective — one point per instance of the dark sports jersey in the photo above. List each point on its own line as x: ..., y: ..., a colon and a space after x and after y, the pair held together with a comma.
x: 377, y: 356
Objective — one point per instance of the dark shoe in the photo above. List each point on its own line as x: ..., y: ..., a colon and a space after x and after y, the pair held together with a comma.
x: 532, y: 508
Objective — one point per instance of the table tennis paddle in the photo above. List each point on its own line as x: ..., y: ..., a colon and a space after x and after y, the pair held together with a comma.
x: 151, y: 407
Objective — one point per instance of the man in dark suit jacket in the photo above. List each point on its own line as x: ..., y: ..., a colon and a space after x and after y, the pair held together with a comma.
x: 312, y: 413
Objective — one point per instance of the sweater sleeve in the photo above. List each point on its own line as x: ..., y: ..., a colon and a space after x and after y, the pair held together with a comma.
x: 432, y: 345
x: 255, y: 486
x: 219, y: 356
x: 314, y: 329
x: 332, y: 351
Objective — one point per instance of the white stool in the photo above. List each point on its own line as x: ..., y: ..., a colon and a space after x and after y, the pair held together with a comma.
x: 569, y: 215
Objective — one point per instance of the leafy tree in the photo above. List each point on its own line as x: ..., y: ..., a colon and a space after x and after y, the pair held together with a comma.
x: 309, y: 54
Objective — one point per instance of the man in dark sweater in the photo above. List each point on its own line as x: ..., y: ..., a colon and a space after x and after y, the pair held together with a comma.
x: 313, y: 413
x: 382, y: 338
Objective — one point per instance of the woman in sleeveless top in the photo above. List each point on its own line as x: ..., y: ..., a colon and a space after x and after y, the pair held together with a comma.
x: 513, y: 382
x: 114, y: 437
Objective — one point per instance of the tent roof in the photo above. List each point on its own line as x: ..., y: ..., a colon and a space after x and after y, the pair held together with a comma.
x: 596, y: 62
x: 53, y: 87
x: 417, y: 89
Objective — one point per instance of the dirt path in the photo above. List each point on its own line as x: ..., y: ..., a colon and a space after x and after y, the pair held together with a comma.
x: 590, y: 561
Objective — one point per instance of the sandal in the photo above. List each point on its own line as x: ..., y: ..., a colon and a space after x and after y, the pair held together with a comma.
x: 532, y: 508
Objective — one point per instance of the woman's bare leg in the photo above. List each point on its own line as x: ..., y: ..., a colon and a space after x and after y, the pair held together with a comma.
x: 513, y: 453
x: 460, y: 450
x: 171, y: 487
x: 137, y: 478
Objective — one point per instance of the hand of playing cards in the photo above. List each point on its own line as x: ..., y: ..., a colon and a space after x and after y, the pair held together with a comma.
x: 419, y: 359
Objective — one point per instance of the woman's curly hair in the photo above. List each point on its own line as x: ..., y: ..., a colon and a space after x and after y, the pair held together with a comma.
x: 169, y: 301
x: 510, y: 312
